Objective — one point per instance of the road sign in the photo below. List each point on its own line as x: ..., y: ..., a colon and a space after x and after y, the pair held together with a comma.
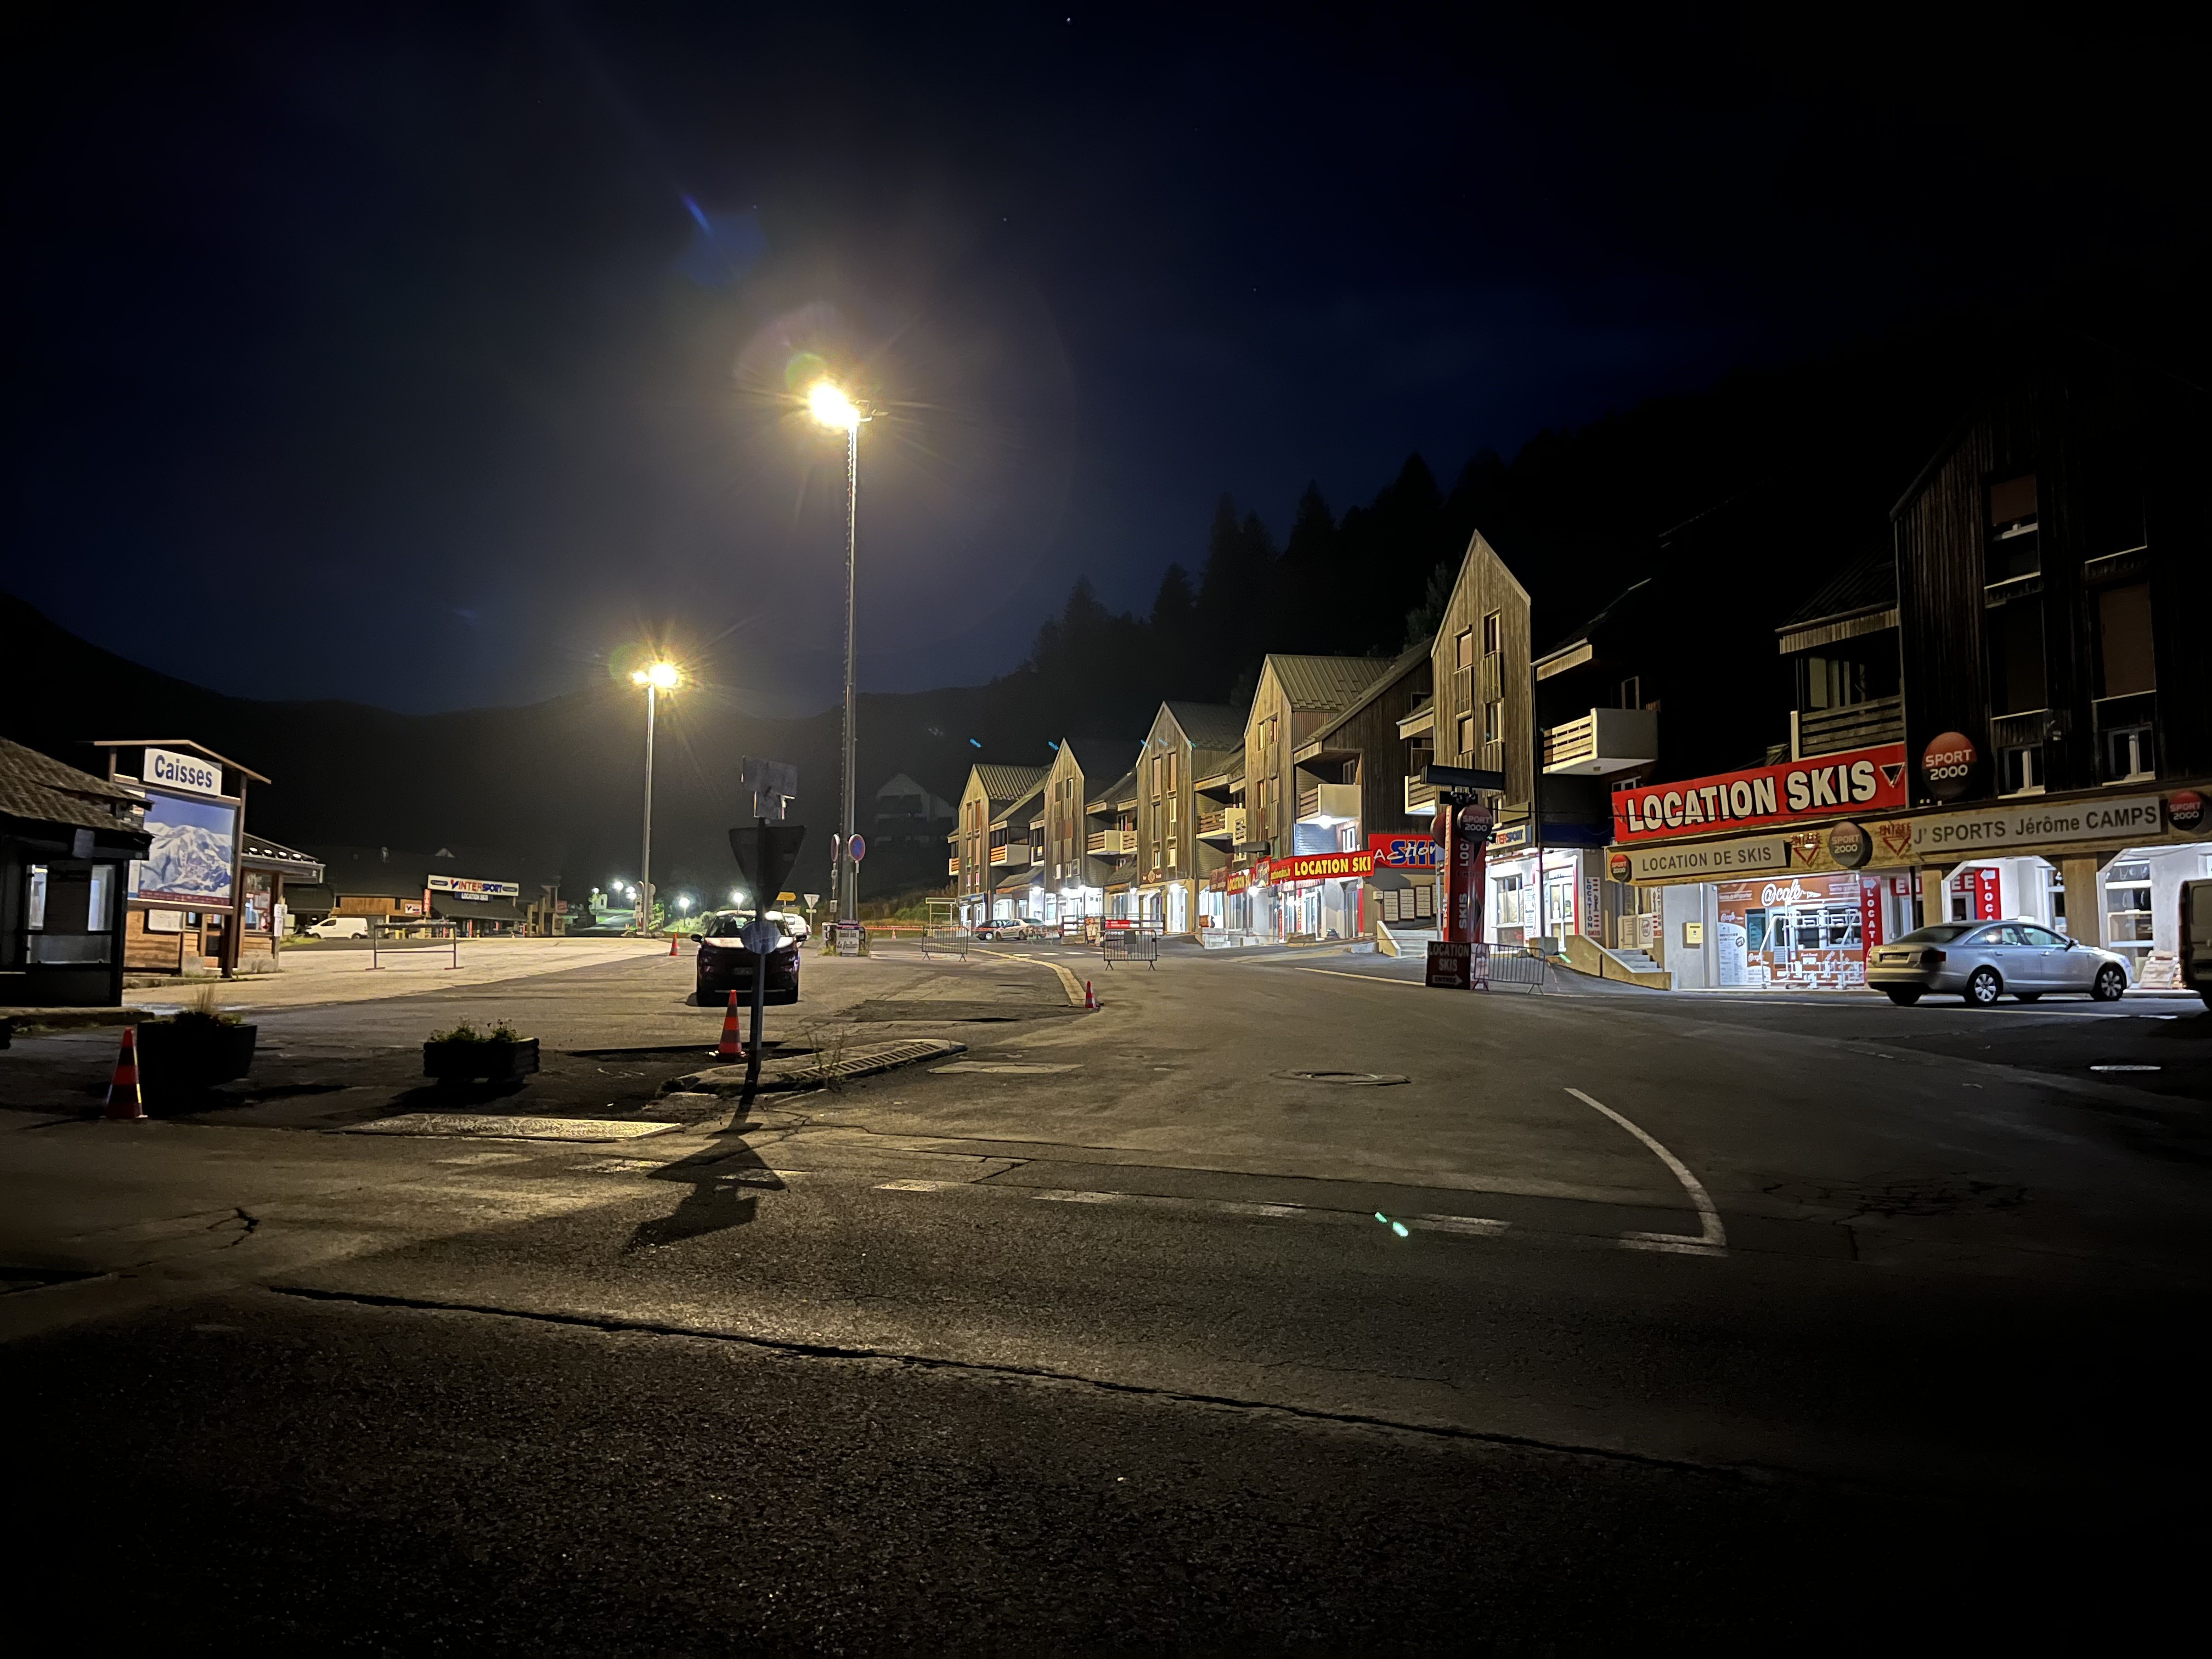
x: 766, y: 853
x: 784, y: 898
x: 860, y: 848
x: 1463, y: 777
x: 1450, y: 962
x: 773, y: 785
x: 813, y: 899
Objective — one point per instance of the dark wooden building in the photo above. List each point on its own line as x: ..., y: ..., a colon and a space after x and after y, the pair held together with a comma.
x: 67, y: 841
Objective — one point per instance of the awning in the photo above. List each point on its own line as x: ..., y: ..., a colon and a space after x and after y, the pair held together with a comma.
x: 498, y: 909
x: 1019, y: 881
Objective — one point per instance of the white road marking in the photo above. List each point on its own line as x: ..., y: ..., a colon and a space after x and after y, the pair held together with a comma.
x: 1713, y: 1237
x: 1472, y: 1225
x: 1001, y: 1067
x: 1365, y: 979
x: 484, y: 1158
x: 918, y: 1186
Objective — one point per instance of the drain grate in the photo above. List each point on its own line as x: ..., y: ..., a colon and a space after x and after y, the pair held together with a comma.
x: 1357, y: 1079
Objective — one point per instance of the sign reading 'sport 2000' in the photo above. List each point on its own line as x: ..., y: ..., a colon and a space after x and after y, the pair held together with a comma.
x: 1859, y: 782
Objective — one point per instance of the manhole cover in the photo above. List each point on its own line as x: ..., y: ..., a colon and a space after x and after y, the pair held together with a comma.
x: 1361, y: 1079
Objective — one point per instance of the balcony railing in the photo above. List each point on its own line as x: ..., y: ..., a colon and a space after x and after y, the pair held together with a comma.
x: 1111, y: 843
x: 952, y: 864
x: 1854, y: 726
x: 1227, y: 821
x: 1604, y: 740
x: 1420, y: 798
x: 1329, y: 802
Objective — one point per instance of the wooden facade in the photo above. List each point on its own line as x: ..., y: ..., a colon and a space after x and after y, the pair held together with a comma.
x: 1361, y: 746
x: 1482, y: 675
x: 1296, y: 697
x: 2038, y: 666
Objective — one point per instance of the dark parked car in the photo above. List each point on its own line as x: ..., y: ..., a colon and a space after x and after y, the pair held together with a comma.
x: 725, y: 965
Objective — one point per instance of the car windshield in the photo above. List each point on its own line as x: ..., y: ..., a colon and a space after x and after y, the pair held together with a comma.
x: 729, y: 924
x: 1942, y: 933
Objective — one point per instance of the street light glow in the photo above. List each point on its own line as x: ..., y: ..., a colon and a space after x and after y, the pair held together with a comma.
x: 661, y: 675
x: 831, y: 406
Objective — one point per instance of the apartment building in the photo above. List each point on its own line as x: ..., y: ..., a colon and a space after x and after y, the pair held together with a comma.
x: 1175, y: 860
x: 986, y: 850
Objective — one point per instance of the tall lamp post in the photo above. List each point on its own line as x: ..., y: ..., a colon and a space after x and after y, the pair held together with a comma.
x: 834, y: 410
x: 655, y: 677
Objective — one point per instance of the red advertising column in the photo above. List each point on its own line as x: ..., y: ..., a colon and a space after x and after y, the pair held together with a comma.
x: 1449, y: 876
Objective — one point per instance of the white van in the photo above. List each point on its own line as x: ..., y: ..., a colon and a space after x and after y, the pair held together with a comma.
x: 338, y: 927
x: 2193, y: 944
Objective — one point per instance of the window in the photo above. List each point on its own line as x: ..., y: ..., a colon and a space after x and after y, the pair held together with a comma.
x: 2019, y: 769
x: 1493, y: 634
x: 2016, y: 683
x: 2127, y: 906
x: 1494, y: 720
x: 103, y: 891
x: 2042, y: 938
x: 1463, y: 649
x: 35, y: 911
x: 2127, y: 754
x: 2014, y: 550
x: 1467, y: 734
x: 2124, y: 640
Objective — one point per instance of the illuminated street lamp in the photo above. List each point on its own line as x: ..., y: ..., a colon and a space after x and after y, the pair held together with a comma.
x: 828, y: 403
x: 656, y: 678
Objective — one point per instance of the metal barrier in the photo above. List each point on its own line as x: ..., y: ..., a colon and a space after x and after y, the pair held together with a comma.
x: 438, y: 936
x: 1131, y: 946
x: 1507, y: 968
x: 946, y: 941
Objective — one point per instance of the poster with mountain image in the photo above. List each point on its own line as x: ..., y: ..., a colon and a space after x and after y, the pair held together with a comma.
x: 194, y: 844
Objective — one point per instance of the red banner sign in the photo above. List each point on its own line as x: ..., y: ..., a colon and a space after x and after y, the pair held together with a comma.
x: 1321, y: 866
x: 1395, y: 849
x: 1861, y: 781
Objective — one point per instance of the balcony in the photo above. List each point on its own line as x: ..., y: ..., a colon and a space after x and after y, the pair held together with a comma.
x: 1329, y: 803
x: 952, y: 864
x: 1855, y: 726
x: 2127, y: 737
x: 1111, y: 843
x: 1225, y: 823
x: 1603, y: 741
x: 1420, y: 798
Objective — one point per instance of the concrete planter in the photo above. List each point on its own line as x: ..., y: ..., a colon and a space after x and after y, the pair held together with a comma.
x: 484, y: 1061
x: 179, y: 1061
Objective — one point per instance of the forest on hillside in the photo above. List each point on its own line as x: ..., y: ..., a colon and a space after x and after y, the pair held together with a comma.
x: 1753, y: 490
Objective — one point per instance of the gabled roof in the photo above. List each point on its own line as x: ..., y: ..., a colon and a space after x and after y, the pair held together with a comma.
x: 1016, y: 811
x: 1006, y: 783
x: 1100, y: 759
x: 1393, y: 672
x: 1212, y: 762
x: 1209, y: 724
x: 295, y: 865
x: 42, y: 789
x: 1124, y: 788
x: 1629, y: 597
x: 1868, y: 582
x: 1325, y: 683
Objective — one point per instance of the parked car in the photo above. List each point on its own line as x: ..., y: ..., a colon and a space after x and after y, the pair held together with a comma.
x: 2193, y: 939
x: 793, y: 924
x: 727, y: 965
x: 1010, y: 931
x: 1983, y: 961
x: 338, y: 927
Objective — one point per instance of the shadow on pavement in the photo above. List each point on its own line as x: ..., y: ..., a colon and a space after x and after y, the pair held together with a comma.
x: 725, y: 1188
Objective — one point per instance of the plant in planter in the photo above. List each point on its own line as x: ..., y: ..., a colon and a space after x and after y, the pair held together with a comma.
x: 465, y: 1054
x: 182, y: 1057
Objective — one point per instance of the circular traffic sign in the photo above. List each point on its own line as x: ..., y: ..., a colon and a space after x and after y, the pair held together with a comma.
x: 859, y: 849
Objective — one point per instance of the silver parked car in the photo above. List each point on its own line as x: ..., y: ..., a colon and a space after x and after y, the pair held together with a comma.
x: 1982, y: 960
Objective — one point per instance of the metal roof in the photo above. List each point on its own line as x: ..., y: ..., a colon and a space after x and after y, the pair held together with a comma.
x: 296, y: 866
x: 1405, y: 663
x: 1006, y: 783
x: 1328, y: 684
x: 1868, y: 582
x: 1014, y: 809
x: 41, y: 788
x: 1210, y: 724
x: 1099, y: 758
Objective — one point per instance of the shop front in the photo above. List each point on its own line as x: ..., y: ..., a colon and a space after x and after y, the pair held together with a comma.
x: 1402, y: 890
x: 1313, y: 896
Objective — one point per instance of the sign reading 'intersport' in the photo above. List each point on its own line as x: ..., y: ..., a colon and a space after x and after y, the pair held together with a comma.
x: 1861, y: 781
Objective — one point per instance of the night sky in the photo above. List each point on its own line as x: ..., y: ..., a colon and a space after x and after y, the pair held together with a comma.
x: 429, y: 356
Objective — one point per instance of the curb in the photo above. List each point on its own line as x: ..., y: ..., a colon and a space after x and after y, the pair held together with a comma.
x: 808, y: 1074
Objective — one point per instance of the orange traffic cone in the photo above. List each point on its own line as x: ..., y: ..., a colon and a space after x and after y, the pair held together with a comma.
x: 731, y: 1046
x: 124, y: 1103
x: 1090, y: 996
x: 671, y: 945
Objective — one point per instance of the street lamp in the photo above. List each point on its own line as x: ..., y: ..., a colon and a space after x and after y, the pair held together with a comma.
x: 828, y: 406
x: 656, y: 678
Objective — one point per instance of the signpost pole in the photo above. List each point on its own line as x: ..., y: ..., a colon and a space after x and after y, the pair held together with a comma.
x: 760, y: 977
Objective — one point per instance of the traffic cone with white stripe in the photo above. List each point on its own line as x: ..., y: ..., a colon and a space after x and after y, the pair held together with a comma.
x: 731, y: 1046
x: 1090, y: 997
x: 671, y: 945
x: 124, y: 1104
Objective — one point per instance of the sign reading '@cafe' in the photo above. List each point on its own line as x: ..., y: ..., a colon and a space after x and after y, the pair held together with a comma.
x: 1861, y: 781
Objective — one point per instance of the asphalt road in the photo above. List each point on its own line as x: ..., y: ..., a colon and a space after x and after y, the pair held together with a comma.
x: 1565, y: 1321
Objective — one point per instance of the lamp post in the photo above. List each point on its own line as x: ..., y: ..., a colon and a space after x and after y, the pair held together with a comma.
x: 834, y: 410
x: 655, y: 677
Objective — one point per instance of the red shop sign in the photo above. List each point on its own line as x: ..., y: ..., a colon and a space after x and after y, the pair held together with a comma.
x: 1822, y: 786
x: 1322, y: 866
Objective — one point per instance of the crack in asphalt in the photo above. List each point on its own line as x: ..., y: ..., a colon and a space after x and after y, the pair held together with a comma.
x: 613, y: 1325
